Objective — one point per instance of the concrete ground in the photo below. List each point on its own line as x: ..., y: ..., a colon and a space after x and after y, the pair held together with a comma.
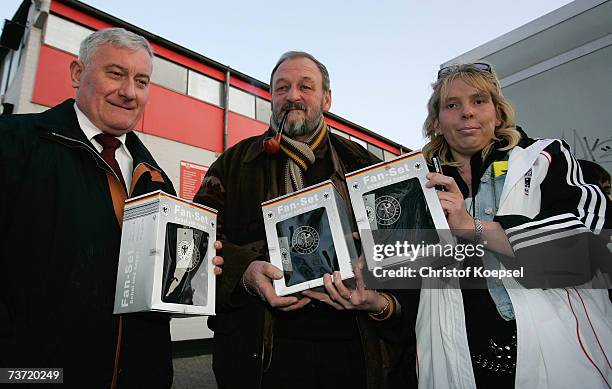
x: 193, y: 365
x: 193, y: 372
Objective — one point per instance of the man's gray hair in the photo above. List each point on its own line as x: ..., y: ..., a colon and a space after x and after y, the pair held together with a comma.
x: 115, y: 36
x: 302, y: 54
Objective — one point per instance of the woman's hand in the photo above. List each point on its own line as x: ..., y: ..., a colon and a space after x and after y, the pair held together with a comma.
x: 452, y: 202
x: 459, y: 220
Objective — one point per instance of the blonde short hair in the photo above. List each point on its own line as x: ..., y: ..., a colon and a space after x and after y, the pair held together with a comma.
x: 484, y: 81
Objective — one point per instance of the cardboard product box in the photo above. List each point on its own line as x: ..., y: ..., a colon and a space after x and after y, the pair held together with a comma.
x: 392, y: 206
x: 309, y: 234
x: 165, y: 262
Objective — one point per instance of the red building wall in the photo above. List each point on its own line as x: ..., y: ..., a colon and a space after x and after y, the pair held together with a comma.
x: 169, y: 114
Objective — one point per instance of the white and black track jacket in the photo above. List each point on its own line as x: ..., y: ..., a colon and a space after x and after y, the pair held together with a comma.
x: 564, y: 333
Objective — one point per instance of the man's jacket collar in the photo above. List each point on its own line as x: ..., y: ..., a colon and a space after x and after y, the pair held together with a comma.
x: 256, y: 149
x: 62, y: 120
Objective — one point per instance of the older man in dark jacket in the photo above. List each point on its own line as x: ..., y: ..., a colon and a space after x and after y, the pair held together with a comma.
x: 322, y: 340
x: 66, y: 173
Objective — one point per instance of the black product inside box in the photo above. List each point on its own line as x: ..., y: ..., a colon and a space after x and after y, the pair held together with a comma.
x: 185, y: 278
x: 399, y: 213
x: 306, y: 247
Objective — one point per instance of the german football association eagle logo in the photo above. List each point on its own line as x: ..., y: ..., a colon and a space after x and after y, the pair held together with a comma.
x: 305, y: 240
x: 388, y: 210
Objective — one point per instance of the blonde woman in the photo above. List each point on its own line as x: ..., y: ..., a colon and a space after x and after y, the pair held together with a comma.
x: 522, y: 197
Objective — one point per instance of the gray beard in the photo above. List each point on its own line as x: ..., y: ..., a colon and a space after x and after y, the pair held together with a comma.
x: 299, y: 128
x: 302, y: 127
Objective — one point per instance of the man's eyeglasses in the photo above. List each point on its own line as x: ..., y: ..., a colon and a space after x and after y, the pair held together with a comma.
x: 485, y: 67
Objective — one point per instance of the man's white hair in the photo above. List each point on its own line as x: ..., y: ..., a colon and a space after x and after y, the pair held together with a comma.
x: 115, y: 36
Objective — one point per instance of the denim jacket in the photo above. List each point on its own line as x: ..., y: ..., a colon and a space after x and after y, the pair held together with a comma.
x: 486, y: 205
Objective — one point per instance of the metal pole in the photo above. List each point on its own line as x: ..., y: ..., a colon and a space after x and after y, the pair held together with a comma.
x: 226, y: 109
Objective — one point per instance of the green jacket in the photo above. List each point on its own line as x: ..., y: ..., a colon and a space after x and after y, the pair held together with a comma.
x: 60, y: 246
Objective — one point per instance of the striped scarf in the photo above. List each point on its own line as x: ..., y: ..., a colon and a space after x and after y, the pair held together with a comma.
x: 300, y: 157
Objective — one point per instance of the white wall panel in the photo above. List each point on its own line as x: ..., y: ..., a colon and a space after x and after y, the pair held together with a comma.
x: 169, y: 154
x: 342, y: 134
x: 205, y: 88
x: 377, y: 151
x: 357, y: 140
x: 169, y: 75
x: 263, y: 110
x: 388, y: 156
x: 65, y: 35
x: 241, y: 102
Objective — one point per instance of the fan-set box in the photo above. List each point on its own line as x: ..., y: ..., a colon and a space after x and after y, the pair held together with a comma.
x: 165, y: 261
x: 309, y: 235
x: 392, y: 205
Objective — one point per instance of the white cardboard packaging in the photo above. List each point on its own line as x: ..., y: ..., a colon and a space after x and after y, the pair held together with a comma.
x: 165, y: 261
x: 377, y: 205
x: 309, y: 234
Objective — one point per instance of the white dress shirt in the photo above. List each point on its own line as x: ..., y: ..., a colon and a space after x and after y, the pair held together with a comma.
x: 122, y: 155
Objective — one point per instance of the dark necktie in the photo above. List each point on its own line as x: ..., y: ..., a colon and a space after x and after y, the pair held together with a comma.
x: 109, y: 145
